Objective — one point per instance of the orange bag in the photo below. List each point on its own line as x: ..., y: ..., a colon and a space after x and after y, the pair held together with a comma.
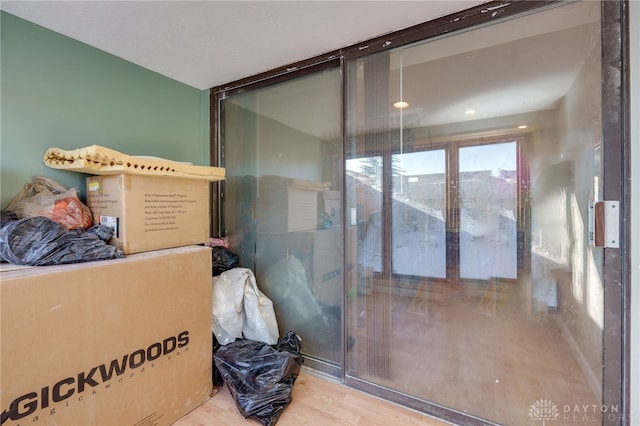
x: 46, y: 197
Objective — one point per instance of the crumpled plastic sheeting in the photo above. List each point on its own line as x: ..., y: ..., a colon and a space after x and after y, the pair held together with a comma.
x: 40, y: 241
x: 240, y: 309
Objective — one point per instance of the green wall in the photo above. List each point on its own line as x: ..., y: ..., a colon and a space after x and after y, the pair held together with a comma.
x: 58, y: 92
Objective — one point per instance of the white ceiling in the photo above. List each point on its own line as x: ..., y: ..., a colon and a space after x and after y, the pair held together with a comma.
x: 205, y: 44
x: 209, y: 43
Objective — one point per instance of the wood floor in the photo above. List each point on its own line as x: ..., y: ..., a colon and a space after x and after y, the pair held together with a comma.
x: 316, y: 401
x: 492, y: 360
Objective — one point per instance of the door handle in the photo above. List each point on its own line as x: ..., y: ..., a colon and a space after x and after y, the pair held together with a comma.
x: 604, y: 224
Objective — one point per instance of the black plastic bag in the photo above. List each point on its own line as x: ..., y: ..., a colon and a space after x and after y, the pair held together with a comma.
x: 40, y: 241
x: 259, y: 376
x: 218, y: 381
x: 222, y: 260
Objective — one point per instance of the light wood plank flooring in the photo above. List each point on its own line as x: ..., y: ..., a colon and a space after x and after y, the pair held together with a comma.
x: 316, y: 401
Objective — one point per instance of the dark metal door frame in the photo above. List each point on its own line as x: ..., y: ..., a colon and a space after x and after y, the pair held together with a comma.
x: 616, y: 160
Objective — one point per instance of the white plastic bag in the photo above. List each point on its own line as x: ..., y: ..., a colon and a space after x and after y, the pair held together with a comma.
x: 228, y: 307
x: 240, y: 309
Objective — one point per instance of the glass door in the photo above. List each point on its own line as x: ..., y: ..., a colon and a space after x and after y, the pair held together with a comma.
x: 471, y: 163
x: 282, y: 201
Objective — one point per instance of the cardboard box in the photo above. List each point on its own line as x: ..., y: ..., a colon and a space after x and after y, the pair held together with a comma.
x: 150, y: 212
x: 117, y: 342
x: 329, y: 202
x: 287, y: 205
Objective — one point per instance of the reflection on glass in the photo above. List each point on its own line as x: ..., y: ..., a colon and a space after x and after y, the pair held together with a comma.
x: 282, y: 202
x: 364, y: 176
x: 488, y: 211
x: 418, y: 226
x: 475, y: 287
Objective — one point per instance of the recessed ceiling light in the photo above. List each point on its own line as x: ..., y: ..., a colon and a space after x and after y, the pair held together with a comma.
x: 470, y: 111
x: 524, y: 126
x: 401, y: 104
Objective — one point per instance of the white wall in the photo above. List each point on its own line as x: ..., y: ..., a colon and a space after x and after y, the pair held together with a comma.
x: 634, y: 11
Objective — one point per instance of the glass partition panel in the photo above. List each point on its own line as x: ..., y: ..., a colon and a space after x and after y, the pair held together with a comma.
x: 282, y: 201
x: 471, y: 162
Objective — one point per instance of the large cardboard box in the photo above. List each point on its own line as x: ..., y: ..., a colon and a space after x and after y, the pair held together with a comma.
x: 111, y: 343
x: 150, y: 212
